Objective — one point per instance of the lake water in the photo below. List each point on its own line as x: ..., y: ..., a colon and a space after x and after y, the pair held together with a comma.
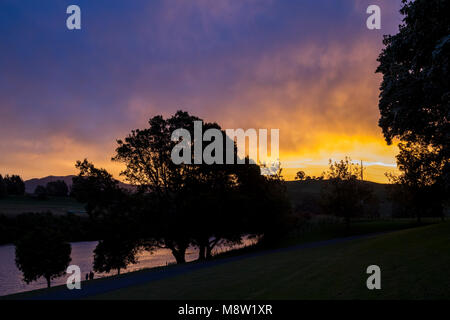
x: 82, y: 255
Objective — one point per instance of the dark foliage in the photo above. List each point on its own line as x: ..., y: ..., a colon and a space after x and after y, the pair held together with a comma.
x: 415, y: 92
x: 41, y: 193
x: 344, y: 195
x: 14, y: 185
x: 199, y: 204
x: 42, y: 251
x: 57, y: 188
x: 3, y: 189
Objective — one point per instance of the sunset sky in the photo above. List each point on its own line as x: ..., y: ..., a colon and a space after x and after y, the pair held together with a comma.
x: 305, y: 67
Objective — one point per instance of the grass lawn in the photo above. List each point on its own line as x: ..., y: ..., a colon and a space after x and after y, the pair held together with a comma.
x: 414, y: 265
x: 14, y: 205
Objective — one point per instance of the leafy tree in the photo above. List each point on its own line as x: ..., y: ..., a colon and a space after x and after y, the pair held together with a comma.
x: 14, y: 185
x: 181, y: 217
x: 415, y: 92
x: 97, y: 188
x: 114, y: 253
x: 343, y: 194
x: 42, y: 252
x: 198, y: 204
x: 300, y: 175
x: 418, y: 184
x: 41, y: 192
x: 57, y: 188
x: 113, y: 212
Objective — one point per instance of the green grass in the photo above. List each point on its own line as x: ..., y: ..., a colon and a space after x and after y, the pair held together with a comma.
x: 14, y: 205
x: 414, y: 265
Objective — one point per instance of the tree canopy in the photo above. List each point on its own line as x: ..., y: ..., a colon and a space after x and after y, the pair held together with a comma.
x: 42, y: 251
x: 344, y: 194
x: 415, y: 92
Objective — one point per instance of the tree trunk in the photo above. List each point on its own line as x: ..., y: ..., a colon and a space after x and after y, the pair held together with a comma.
x: 201, y: 252
x: 118, y: 271
x: 179, y: 255
x: 209, y: 252
x: 48, y: 281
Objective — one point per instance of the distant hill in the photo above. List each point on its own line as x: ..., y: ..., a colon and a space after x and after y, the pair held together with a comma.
x: 30, y: 185
x: 307, y: 194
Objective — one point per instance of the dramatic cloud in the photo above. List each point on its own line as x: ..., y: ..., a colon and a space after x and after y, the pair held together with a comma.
x: 305, y: 67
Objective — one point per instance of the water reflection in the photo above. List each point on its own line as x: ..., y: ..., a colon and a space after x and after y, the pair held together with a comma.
x: 82, y: 255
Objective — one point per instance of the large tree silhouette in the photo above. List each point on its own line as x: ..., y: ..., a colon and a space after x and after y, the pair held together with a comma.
x: 185, y: 197
x: 198, y: 204
x: 415, y: 92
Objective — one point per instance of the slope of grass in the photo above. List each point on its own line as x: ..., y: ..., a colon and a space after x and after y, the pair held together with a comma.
x: 414, y: 265
x: 14, y: 205
x: 307, y: 195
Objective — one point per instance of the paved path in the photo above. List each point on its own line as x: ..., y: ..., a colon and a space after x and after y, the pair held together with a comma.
x: 93, y: 288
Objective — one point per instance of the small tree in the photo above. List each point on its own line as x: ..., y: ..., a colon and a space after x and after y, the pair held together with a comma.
x: 300, y: 176
x: 40, y: 192
x: 343, y: 194
x: 57, y: 188
x: 114, y: 253
x: 42, y: 252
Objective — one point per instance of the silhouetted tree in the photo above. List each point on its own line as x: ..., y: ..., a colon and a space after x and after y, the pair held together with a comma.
x: 14, y: 185
x: 41, y: 192
x: 181, y: 218
x: 114, y: 213
x: 415, y: 92
x: 57, y: 188
x: 343, y: 195
x: 273, y: 217
x: 97, y: 189
x: 42, y: 252
x: 3, y: 190
x: 115, y: 253
x: 418, y: 185
x: 300, y: 175
x: 189, y: 203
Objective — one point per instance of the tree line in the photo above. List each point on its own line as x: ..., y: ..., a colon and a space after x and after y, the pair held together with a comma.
x: 56, y: 188
x: 11, y: 185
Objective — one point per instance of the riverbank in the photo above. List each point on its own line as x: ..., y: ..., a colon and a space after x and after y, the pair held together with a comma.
x: 234, y: 276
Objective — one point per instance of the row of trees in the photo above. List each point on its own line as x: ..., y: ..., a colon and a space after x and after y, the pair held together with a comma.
x: 11, y: 185
x: 54, y: 188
